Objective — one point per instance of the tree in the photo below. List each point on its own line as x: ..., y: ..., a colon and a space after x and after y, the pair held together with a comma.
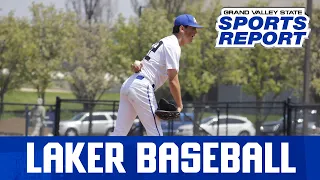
x: 266, y: 71
x: 49, y: 28
x: 88, y: 63
x: 132, y: 40
x: 125, y: 46
x: 315, y: 64
x: 15, y: 50
x: 172, y: 8
x: 97, y: 11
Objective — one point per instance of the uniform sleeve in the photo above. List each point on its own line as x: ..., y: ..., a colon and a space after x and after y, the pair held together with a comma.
x: 171, y: 56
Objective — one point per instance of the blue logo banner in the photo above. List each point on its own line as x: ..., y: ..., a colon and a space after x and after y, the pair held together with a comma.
x: 236, y: 158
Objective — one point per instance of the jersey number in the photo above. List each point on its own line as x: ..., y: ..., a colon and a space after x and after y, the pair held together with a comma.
x: 154, y: 49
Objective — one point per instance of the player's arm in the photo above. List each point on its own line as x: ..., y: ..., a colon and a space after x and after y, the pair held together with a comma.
x: 175, y: 89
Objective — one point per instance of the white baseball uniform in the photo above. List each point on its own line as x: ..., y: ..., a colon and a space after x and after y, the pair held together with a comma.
x: 137, y: 92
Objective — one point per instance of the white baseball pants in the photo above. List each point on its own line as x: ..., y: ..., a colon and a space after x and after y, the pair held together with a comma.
x: 37, y: 127
x: 137, y: 98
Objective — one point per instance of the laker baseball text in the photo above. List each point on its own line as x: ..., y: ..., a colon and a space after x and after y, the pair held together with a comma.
x: 270, y: 27
x: 169, y: 157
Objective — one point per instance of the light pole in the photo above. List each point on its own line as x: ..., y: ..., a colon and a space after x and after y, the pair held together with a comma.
x: 306, y: 84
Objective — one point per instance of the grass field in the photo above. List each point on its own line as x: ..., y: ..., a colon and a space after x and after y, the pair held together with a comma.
x: 31, y: 97
x: 50, y: 98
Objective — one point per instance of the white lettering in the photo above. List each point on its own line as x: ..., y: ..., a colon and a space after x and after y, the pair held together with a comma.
x: 268, y: 160
x: 92, y: 158
x: 285, y: 159
x: 208, y: 157
x: 117, y: 160
x: 72, y: 157
x: 57, y: 157
x: 30, y: 160
x: 226, y: 157
x: 173, y: 157
x: 186, y: 155
x: 247, y: 157
x: 150, y: 157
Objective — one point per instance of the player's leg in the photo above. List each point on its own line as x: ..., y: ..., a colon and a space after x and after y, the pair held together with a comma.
x: 36, y: 127
x: 145, y: 105
x: 126, y: 116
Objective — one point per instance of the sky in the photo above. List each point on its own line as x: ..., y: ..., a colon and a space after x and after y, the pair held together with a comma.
x: 123, y: 6
x: 21, y: 7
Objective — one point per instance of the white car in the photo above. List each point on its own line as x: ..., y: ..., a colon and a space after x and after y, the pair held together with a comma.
x: 237, y: 126
x: 102, y: 124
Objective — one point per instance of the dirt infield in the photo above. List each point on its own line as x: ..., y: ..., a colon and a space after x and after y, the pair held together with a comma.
x: 17, y: 126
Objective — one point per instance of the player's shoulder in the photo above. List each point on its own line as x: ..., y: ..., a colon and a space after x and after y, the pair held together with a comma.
x: 170, y: 41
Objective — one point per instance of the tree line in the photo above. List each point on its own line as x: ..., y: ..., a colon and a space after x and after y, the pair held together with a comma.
x: 94, y: 49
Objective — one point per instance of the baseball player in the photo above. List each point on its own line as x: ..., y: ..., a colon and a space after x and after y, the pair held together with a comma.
x: 160, y: 64
x: 37, y: 116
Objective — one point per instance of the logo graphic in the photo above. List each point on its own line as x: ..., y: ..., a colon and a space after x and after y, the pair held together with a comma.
x: 270, y: 27
x: 194, y: 20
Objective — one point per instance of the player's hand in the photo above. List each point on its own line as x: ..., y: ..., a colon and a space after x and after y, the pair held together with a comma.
x: 179, y: 109
x: 136, y: 68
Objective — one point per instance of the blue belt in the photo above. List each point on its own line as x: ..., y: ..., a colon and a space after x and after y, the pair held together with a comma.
x: 141, y: 77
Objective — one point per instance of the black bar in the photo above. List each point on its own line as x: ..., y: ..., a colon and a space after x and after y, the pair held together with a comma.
x: 239, y: 107
x: 90, y: 120
x: 305, y: 106
x: 24, y: 104
x: 295, y: 122
x: 227, y: 112
x: 289, y: 118
x: 237, y: 102
x: 218, y: 121
x: 57, y: 116
x: 27, y: 120
x: 113, y: 110
x: 285, y: 106
x: 87, y: 100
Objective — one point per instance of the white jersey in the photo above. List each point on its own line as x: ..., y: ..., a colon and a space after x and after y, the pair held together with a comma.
x: 163, y: 55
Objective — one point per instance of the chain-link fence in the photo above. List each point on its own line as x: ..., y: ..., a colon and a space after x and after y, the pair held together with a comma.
x: 16, y: 119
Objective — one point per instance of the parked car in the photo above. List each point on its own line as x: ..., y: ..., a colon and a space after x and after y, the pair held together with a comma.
x: 276, y: 128
x: 273, y: 128
x: 102, y: 124
x: 170, y: 127
x: 237, y: 126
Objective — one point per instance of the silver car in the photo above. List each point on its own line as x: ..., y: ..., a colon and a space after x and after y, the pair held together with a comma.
x: 237, y: 126
x: 102, y: 124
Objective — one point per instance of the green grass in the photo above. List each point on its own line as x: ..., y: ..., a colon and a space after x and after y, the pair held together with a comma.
x: 50, y: 98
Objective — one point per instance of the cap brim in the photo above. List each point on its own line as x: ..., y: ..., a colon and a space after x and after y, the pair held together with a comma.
x: 196, y: 26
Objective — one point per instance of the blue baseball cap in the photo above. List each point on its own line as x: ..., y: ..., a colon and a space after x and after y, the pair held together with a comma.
x: 186, y: 20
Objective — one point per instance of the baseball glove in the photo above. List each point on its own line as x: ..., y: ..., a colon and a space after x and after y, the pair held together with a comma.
x: 166, y: 110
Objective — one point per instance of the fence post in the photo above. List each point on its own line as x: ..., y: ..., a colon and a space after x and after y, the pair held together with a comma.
x: 295, y: 122
x: 218, y: 121
x: 289, y: 120
x: 27, y: 119
x: 113, y: 110
x: 57, y: 117
x: 227, y: 120
x: 285, y: 106
x: 90, y: 119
